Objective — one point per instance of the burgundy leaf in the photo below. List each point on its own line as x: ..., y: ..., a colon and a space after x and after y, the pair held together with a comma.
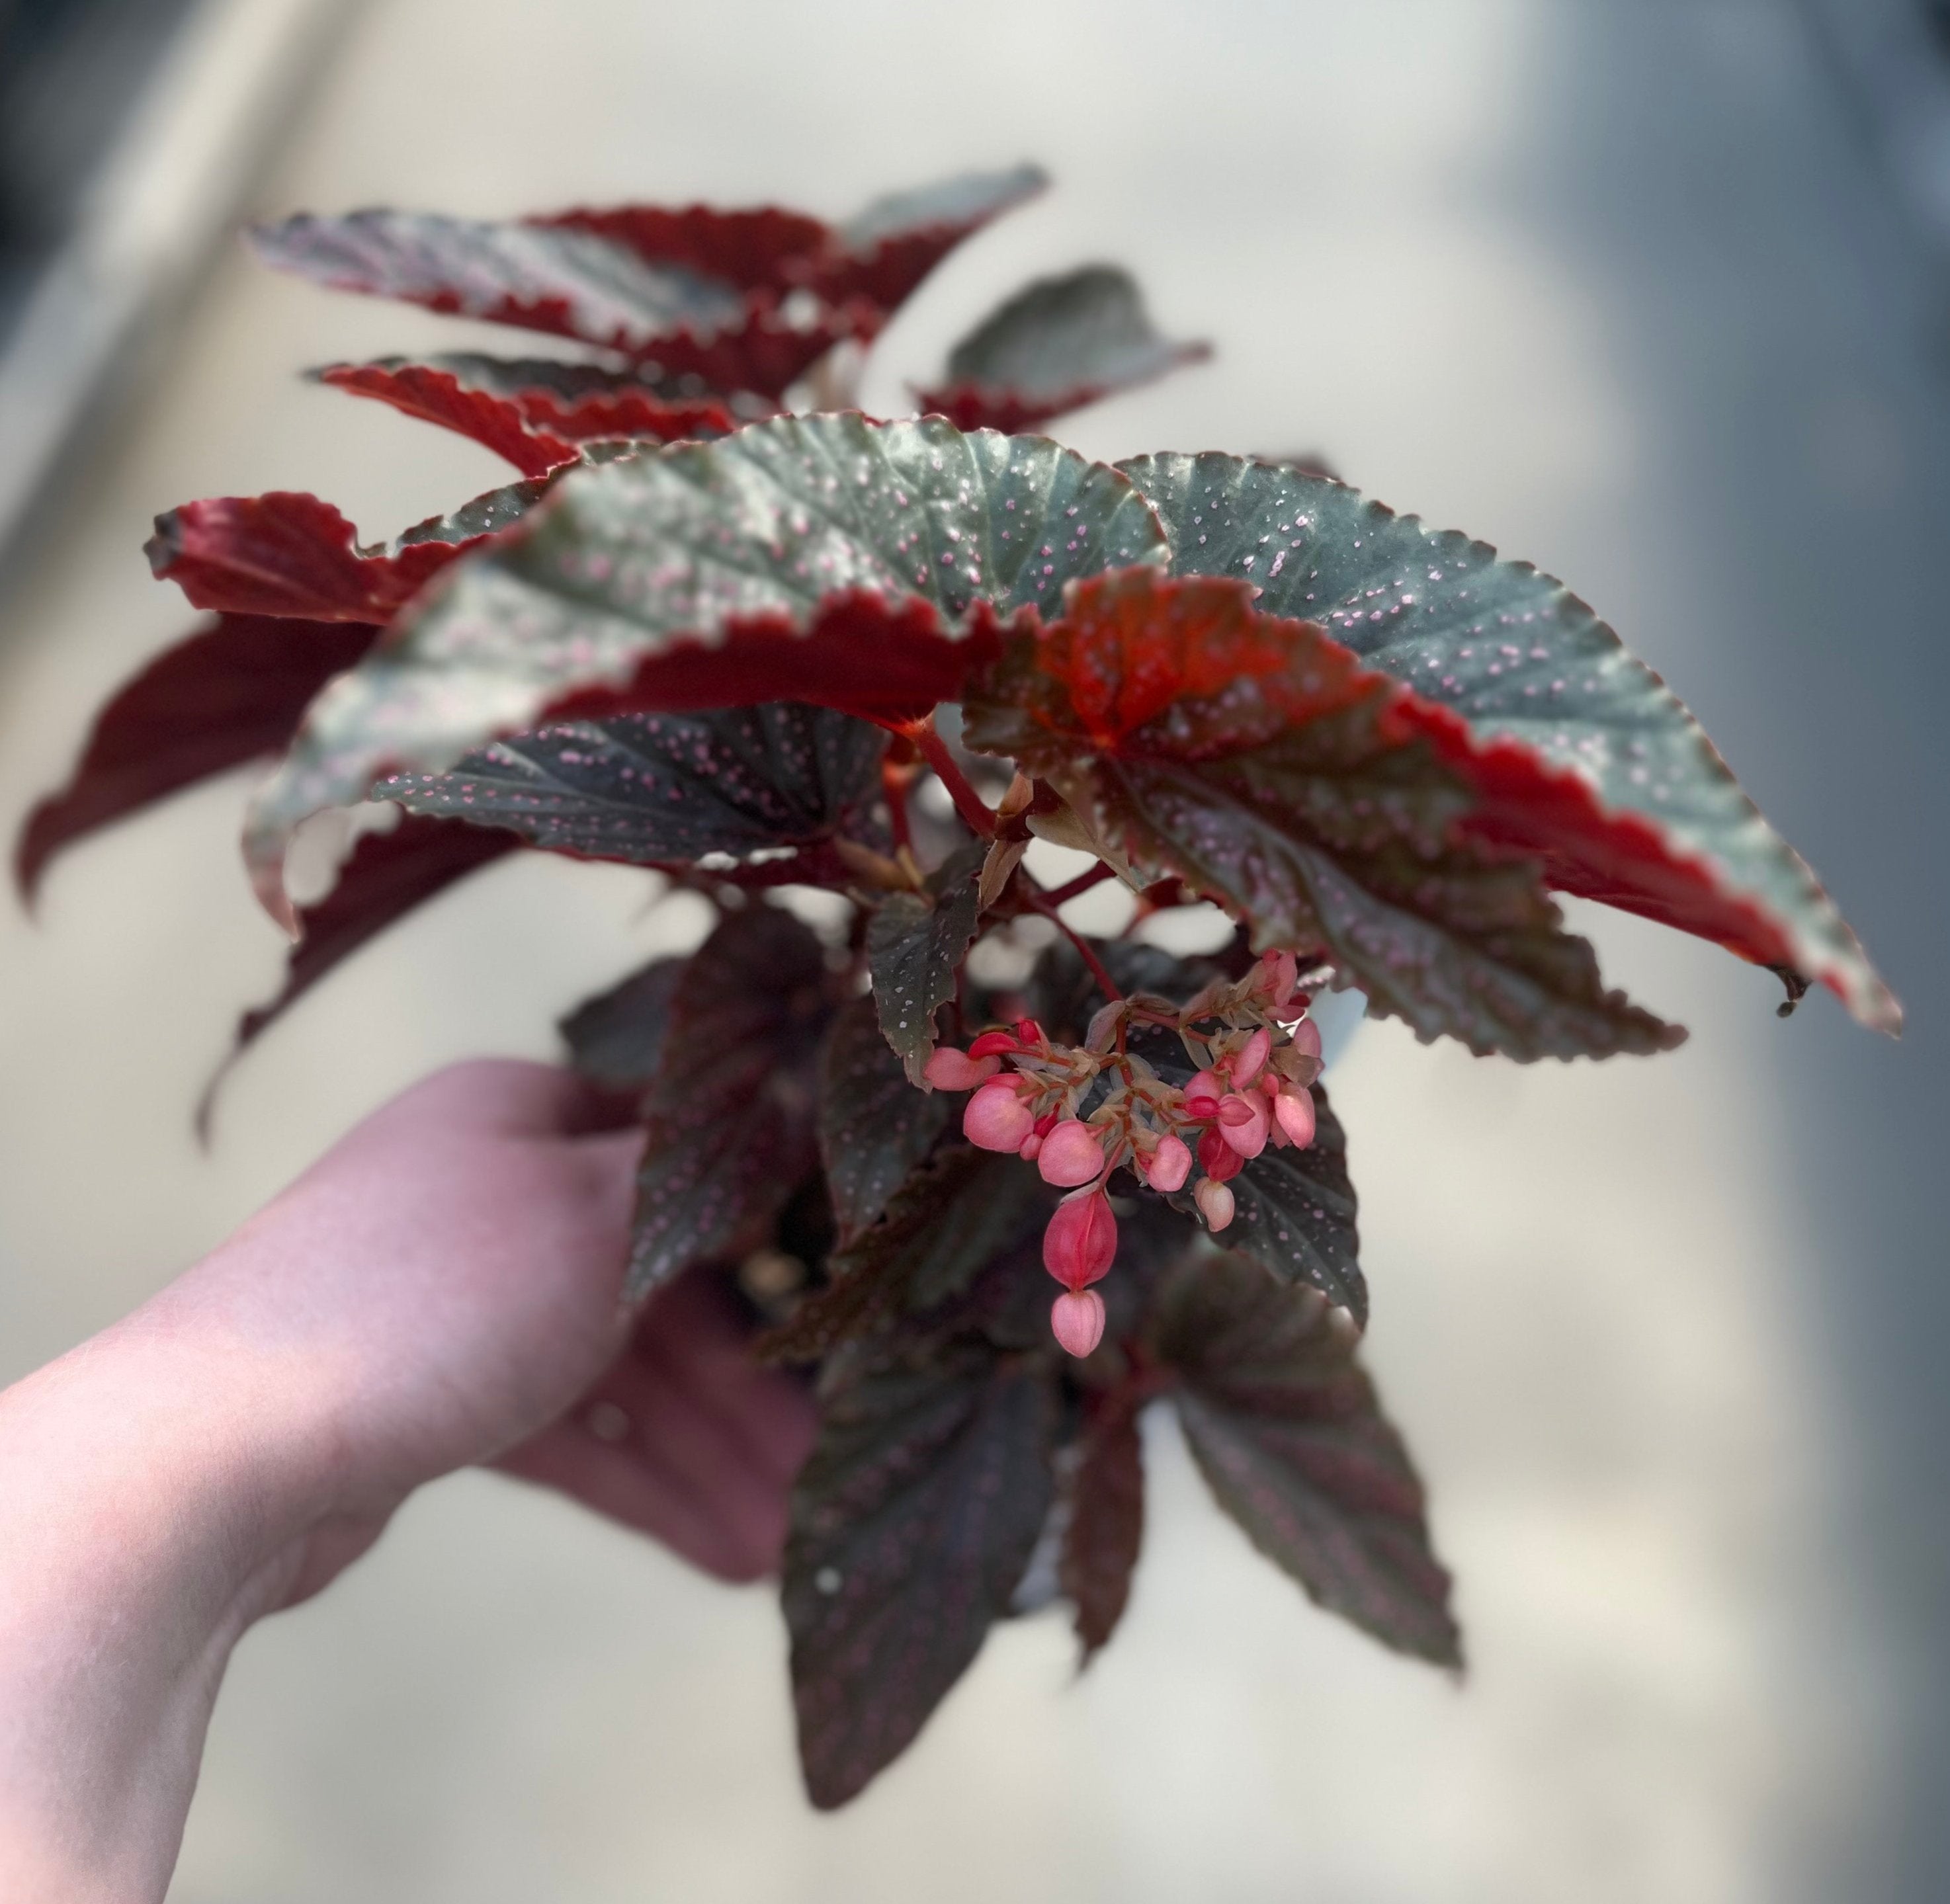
x: 915, y: 944
x: 874, y: 1127
x: 287, y: 553
x: 764, y: 248
x: 1287, y: 1430
x: 617, y: 1037
x: 386, y: 876
x: 911, y: 1524
x: 1106, y: 1517
x: 226, y: 696
x: 437, y: 396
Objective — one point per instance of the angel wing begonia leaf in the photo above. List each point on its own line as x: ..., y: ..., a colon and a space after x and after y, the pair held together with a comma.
x: 882, y: 253
x: 776, y: 779
x: 1058, y: 344
x: 1259, y: 764
x: 387, y: 874
x: 517, y: 409
x: 915, y: 944
x: 1581, y: 755
x: 874, y: 1127
x: 227, y: 695
x: 287, y: 553
x: 617, y: 1037
x: 1106, y: 1525
x: 911, y: 1524
x: 1287, y: 1430
x: 823, y: 558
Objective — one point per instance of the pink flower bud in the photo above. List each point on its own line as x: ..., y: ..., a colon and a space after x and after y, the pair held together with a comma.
x: 1169, y: 1165
x: 1215, y: 1203
x: 1032, y: 1144
x: 1077, y: 1321
x: 1252, y: 1059
x: 1218, y: 1158
x: 994, y: 1044
x: 1294, y: 1110
x: 1202, y: 1093
x: 996, y: 1119
x: 1081, y: 1241
x: 949, y: 1069
x: 1242, y: 1123
x: 1306, y: 1037
x: 1277, y: 973
x: 1072, y: 1153
x: 1028, y: 1031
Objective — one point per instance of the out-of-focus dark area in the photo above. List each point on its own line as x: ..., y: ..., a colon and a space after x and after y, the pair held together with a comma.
x: 71, y: 73
x: 1657, y: 295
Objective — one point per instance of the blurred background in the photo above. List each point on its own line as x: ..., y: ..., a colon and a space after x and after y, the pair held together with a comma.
x: 1651, y: 292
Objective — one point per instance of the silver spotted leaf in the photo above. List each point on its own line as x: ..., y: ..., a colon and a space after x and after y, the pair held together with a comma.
x: 874, y: 1126
x: 915, y: 944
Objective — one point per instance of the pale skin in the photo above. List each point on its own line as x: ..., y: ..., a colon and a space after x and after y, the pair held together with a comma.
x: 444, y: 1289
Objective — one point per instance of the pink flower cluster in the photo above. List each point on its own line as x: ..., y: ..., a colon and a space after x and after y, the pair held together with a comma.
x: 1250, y: 1089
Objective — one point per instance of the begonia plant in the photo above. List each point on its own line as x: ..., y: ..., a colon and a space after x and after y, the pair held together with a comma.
x: 725, y: 628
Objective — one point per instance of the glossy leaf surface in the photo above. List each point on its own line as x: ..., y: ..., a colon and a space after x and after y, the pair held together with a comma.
x: 874, y: 1127
x: 915, y: 945
x: 1058, y: 344
x: 774, y: 779
x: 1286, y: 1429
x: 230, y: 694
x: 1636, y: 808
x: 911, y: 1524
x: 821, y: 558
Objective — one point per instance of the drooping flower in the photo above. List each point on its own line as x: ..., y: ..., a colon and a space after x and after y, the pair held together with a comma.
x: 996, y: 1117
x: 1242, y: 1122
x: 949, y: 1069
x: 1294, y: 1110
x: 1072, y: 1153
x: 1076, y: 1320
x: 1215, y: 1202
x: 1081, y: 1242
x: 1169, y: 1165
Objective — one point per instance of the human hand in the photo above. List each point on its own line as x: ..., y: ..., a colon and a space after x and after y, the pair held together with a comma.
x: 442, y: 1288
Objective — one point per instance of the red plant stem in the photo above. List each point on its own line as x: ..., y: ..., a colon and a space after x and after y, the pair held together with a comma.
x: 894, y: 777
x: 969, y: 803
x: 1063, y: 894
x: 1104, y: 981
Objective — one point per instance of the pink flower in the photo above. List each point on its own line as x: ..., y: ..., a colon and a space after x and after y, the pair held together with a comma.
x: 1072, y: 1153
x: 1031, y: 1145
x: 996, y: 1119
x: 1306, y: 1037
x: 1215, y: 1203
x: 1220, y: 1160
x: 1242, y: 1123
x: 1252, y: 1059
x: 1278, y: 971
x: 1169, y: 1165
x: 1294, y: 1110
x: 1076, y: 1320
x: 1202, y: 1093
x: 1081, y: 1241
x: 994, y: 1044
x: 949, y: 1069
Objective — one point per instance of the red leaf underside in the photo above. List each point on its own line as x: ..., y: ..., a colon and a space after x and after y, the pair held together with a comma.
x: 386, y: 876
x: 438, y: 396
x: 624, y: 413
x: 287, y: 553
x: 763, y: 248
x: 229, y: 695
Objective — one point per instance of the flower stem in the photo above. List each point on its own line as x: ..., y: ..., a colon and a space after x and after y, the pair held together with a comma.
x: 1061, y: 895
x: 1105, y: 983
x: 969, y: 803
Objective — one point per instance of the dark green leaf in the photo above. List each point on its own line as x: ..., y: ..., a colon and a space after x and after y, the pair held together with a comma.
x: 1058, y: 344
x: 1663, y: 829
x: 1106, y: 1518
x: 911, y: 1524
x: 654, y: 788
x: 729, y: 1116
x: 617, y: 1037
x: 823, y: 558
x: 1286, y: 1429
x: 874, y: 1127
x: 915, y: 945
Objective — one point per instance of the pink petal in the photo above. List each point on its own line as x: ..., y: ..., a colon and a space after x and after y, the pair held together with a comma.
x: 1076, y: 1320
